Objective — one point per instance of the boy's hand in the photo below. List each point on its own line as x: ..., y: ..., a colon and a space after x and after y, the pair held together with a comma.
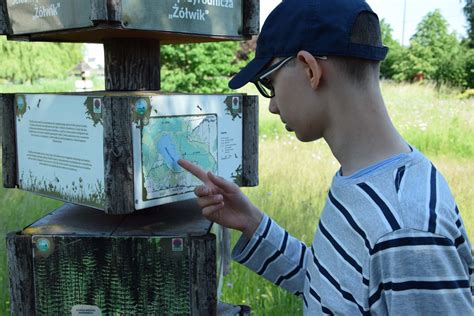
x: 223, y: 202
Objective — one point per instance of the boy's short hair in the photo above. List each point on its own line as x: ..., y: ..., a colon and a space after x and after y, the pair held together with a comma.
x: 365, y: 31
x: 321, y: 27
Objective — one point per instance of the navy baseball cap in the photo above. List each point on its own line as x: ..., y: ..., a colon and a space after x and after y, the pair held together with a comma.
x: 321, y: 27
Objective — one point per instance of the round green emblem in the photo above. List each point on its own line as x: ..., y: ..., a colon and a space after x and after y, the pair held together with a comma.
x: 42, y: 244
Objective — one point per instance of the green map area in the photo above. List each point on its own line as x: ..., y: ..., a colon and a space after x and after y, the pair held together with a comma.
x: 167, y: 139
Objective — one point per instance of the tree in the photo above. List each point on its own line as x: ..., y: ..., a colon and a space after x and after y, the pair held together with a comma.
x: 469, y: 12
x: 431, y: 47
x: 203, y: 68
x: 388, y: 67
x: 24, y: 61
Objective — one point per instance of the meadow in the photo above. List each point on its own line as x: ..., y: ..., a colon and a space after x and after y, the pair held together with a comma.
x: 295, y: 177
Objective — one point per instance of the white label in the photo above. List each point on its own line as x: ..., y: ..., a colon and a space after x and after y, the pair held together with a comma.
x: 90, y: 310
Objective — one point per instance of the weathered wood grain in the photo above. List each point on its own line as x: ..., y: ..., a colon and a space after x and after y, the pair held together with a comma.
x: 250, y: 141
x: 118, y: 156
x: 132, y: 64
x: 203, y: 274
x: 20, y: 272
x: 251, y: 18
x: 3, y: 17
x: 98, y: 11
x: 9, y: 156
x: 114, y: 10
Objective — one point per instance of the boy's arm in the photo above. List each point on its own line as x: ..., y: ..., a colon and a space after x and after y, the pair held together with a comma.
x: 418, y: 273
x: 264, y: 246
x: 274, y: 254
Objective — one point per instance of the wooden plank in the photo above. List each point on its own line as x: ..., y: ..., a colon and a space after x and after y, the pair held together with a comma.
x: 9, y: 156
x: 132, y: 64
x: 251, y: 17
x: 174, y: 219
x: 250, y: 141
x: 20, y: 271
x: 103, y: 32
x: 73, y: 219
x: 203, y: 274
x: 118, y: 156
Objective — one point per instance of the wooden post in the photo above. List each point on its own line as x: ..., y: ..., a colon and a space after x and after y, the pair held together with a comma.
x: 203, y: 283
x: 250, y: 141
x: 106, y: 10
x: 98, y: 10
x: 118, y: 156
x: 251, y: 23
x: 132, y: 64
x: 20, y: 271
x: 3, y: 18
x: 9, y: 141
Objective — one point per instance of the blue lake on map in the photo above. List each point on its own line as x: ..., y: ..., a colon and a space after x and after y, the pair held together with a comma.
x: 168, y: 150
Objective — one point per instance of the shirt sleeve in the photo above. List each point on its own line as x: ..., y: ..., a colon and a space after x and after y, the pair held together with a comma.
x: 275, y: 255
x: 418, y: 273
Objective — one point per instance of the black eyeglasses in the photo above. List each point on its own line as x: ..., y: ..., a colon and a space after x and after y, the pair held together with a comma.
x: 264, y: 83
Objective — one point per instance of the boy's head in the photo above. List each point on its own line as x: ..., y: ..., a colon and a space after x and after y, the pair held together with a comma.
x: 347, y: 31
x: 333, y: 49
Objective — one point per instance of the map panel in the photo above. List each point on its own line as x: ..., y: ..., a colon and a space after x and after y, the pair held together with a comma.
x: 167, y: 139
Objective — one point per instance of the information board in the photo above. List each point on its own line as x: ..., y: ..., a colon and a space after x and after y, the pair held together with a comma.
x: 60, y: 147
x: 204, y: 129
x: 35, y: 16
x: 206, y: 17
x: 60, y: 144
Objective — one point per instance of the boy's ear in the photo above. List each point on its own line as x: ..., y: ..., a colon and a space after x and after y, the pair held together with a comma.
x: 312, y: 67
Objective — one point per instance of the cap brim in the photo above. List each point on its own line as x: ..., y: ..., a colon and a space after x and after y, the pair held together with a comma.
x: 249, y: 72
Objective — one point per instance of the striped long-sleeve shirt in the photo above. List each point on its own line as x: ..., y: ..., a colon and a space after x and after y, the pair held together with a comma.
x: 388, y: 242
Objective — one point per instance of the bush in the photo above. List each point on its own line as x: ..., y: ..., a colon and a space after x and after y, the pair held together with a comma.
x: 199, y: 68
x: 26, y: 62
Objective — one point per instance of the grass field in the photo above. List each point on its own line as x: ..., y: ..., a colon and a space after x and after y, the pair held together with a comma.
x: 295, y: 177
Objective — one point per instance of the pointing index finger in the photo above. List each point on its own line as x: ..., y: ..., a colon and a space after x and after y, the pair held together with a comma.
x: 194, y: 169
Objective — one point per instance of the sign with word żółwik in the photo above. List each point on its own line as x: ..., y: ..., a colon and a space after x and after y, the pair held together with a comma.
x: 34, y: 16
x: 170, y: 21
x: 209, y: 17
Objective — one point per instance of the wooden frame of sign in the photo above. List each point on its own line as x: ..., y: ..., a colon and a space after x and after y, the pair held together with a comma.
x: 80, y: 258
x: 94, y: 21
x: 118, y: 151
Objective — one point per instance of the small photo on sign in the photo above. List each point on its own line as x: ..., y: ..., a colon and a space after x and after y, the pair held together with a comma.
x: 235, y: 103
x: 97, y: 106
x: 177, y: 244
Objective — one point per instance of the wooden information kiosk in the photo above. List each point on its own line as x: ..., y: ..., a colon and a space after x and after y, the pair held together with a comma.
x: 130, y: 239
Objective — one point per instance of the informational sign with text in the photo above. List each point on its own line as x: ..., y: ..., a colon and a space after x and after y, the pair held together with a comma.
x: 35, y: 16
x: 60, y: 147
x: 206, y: 17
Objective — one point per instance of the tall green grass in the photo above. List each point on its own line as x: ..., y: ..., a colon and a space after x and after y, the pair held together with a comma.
x: 295, y: 177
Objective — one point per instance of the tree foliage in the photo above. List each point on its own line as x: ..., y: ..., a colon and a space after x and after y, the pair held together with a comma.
x: 25, y: 61
x: 388, y: 68
x: 434, y: 53
x: 199, y: 68
x: 469, y: 13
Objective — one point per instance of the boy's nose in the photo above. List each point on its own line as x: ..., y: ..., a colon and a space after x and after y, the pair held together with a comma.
x: 272, y: 107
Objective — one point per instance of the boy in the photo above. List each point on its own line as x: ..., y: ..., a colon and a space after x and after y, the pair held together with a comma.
x: 390, y: 239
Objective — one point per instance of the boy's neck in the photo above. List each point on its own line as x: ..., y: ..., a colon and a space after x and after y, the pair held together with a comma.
x: 362, y: 133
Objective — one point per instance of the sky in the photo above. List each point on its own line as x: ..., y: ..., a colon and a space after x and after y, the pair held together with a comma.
x: 392, y: 12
